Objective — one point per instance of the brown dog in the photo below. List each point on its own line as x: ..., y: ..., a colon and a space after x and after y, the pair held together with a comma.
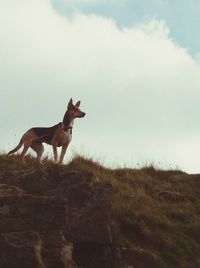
x: 58, y: 135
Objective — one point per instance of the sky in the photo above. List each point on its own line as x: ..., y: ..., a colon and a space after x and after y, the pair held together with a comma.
x: 135, y: 66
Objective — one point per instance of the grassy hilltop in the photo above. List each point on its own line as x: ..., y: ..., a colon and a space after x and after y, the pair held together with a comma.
x: 155, y: 213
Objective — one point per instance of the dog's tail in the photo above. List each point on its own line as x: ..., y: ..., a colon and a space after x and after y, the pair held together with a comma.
x: 17, y: 148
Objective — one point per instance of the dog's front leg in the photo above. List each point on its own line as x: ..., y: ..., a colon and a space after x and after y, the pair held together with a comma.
x: 64, y: 149
x: 55, y: 153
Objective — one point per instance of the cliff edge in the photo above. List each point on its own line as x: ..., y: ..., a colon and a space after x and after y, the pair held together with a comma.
x: 84, y: 215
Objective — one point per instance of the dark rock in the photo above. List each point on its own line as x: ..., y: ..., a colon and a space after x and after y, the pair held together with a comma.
x: 21, y: 212
x: 89, y: 205
x: 52, y: 218
x: 20, y: 249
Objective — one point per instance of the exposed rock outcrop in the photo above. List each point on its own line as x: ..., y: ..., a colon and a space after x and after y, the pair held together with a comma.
x: 53, y: 218
x: 83, y: 215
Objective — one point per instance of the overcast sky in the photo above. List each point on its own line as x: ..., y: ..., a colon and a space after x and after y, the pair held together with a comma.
x: 135, y: 65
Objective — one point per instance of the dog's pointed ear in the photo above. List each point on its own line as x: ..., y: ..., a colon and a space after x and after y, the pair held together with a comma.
x: 78, y: 104
x: 70, y: 103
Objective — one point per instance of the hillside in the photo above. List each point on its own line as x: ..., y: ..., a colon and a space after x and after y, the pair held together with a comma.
x: 85, y: 215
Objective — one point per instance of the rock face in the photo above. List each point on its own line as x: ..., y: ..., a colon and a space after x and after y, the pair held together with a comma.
x: 53, y: 218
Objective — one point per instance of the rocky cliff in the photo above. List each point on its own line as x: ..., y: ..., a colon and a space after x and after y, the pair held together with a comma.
x: 52, y: 218
x: 85, y: 216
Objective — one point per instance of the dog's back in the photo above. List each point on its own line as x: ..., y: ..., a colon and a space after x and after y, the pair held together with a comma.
x: 45, y: 134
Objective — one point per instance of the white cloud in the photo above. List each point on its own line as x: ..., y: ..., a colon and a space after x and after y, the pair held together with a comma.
x: 76, y: 2
x: 139, y: 88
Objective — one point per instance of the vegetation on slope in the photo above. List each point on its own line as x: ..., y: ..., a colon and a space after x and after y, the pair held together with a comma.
x: 156, y: 213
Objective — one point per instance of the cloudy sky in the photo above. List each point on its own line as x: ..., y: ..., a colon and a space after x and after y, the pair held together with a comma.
x: 134, y: 64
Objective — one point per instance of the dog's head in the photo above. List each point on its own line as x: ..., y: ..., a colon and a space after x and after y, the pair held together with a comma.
x: 74, y: 109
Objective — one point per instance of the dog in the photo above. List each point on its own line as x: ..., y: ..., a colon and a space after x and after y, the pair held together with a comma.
x: 59, y: 135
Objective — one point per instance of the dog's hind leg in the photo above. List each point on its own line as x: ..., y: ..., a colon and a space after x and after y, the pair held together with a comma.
x: 39, y: 149
x: 28, y: 138
x: 26, y: 146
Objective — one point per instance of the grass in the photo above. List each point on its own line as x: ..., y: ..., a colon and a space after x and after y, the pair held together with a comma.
x: 156, y: 213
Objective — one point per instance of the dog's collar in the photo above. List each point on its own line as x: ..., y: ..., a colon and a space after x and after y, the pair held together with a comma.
x: 65, y: 128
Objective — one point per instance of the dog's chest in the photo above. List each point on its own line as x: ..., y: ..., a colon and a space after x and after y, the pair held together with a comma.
x: 64, y: 137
